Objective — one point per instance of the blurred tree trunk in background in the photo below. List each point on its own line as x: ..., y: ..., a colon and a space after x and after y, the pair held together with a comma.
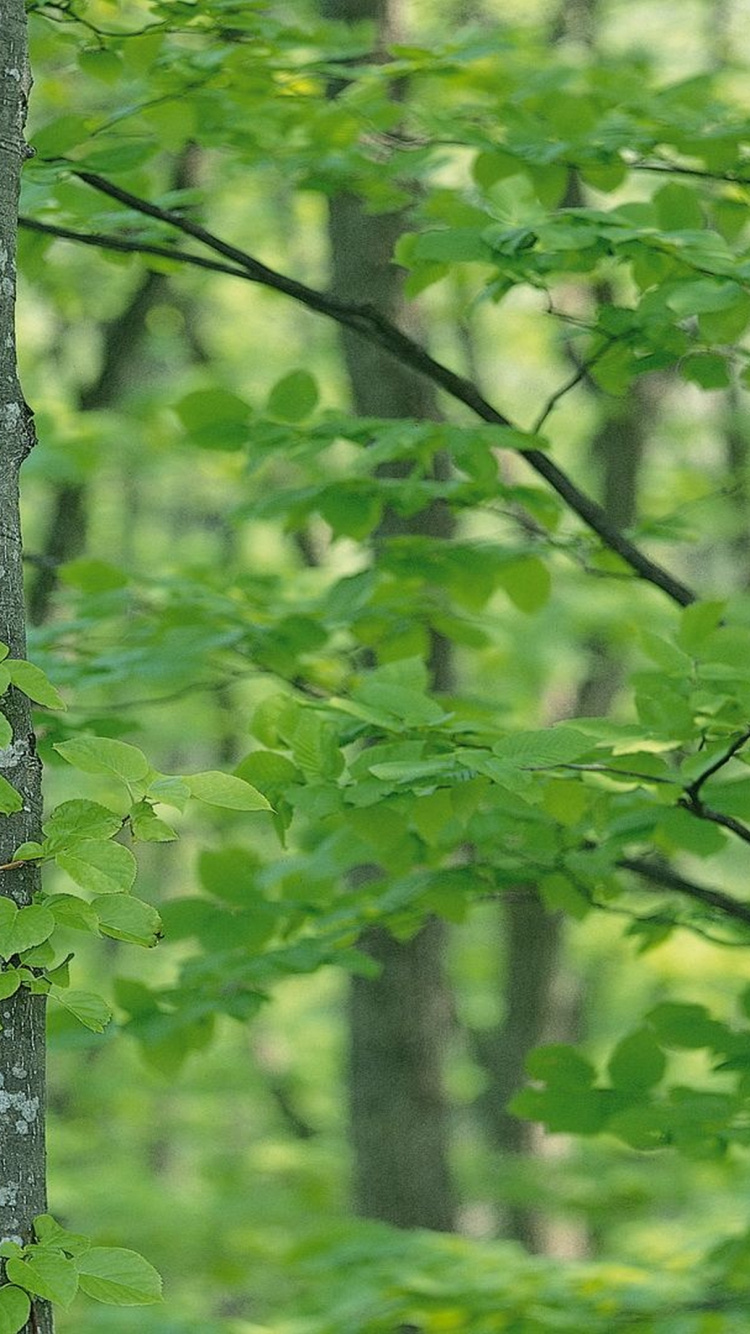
x: 538, y: 1006
x: 537, y: 1003
x: 121, y: 340
x: 68, y: 521
x: 399, y: 1021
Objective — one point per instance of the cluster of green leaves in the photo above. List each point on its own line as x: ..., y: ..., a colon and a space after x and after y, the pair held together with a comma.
x: 58, y: 1264
x: 79, y: 838
x: 682, y: 248
x: 388, y: 777
x: 700, y: 1123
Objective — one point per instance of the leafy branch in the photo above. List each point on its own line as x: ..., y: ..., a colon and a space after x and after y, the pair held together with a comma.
x: 371, y: 324
x: 65, y: 13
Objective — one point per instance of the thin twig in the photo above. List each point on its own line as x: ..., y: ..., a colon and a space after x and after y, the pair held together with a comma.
x: 703, y: 812
x: 564, y: 389
x: 675, y: 169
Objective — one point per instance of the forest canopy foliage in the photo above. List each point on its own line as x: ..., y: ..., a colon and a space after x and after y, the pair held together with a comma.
x: 384, y: 667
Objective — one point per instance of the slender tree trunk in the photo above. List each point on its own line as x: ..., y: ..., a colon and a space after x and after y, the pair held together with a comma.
x: 22, y: 1103
x: 66, y: 535
x: 121, y: 339
x: 398, y: 1022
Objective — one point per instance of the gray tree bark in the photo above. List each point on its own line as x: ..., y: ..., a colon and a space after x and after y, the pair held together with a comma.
x: 22, y: 1044
x: 399, y: 1021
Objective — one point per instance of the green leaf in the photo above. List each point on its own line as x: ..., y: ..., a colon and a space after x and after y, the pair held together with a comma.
x: 10, y: 800
x: 730, y: 798
x: 543, y: 749
x: 15, y: 1308
x: 411, y: 707
x: 69, y: 910
x: 6, y: 732
x: 49, y: 1232
x: 494, y: 166
x: 351, y: 512
x: 293, y: 397
x: 217, y: 928
x: 89, y: 1009
x: 10, y: 981
x: 45, y: 1273
x: 703, y: 295
x: 28, y: 852
x: 101, y: 64
x: 34, y: 684
x: 709, y: 370
x: 726, y: 326
x: 104, y: 755
x: 147, y: 826
x: 572, y: 1111
x: 268, y: 771
x: 215, y: 418
x: 678, y: 209
x: 38, y: 956
x: 560, y: 1066
x: 527, y: 582
x: 550, y: 183
x: 57, y: 136
x: 229, y: 874
x: 220, y: 789
x: 99, y: 865
x: 170, y: 790
x: 457, y: 244
x: 119, y: 1277
x: 125, y: 918
x: 689, y: 1026
x: 80, y: 819
x: 679, y: 829
x: 637, y: 1062
x: 22, y: 928
x: 92, y: 576
x: 120, y: 155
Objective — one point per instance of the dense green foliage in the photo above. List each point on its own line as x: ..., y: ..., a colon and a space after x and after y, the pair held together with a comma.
x: 576, y: 218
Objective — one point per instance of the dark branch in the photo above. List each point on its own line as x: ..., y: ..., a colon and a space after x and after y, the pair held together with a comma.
x: 371, y: 324
x: 104, y: 241
x: 675, y: 169
x: 564, y: 389
x: 694, y: 788
x: 703, y: 812
x: 666, y: 878
x: 691, y: 798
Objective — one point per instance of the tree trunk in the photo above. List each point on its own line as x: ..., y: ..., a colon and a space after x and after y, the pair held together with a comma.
x: 121, y: 338
x: 398, y: 1022
x: 22, y: 1159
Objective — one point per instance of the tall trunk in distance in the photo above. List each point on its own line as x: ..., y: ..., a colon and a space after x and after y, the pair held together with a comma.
x: 66, y: 533
x: 22, y: 1037
x: 398, y: 1021
x: 121, y: 339
x: 539, y: 1004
